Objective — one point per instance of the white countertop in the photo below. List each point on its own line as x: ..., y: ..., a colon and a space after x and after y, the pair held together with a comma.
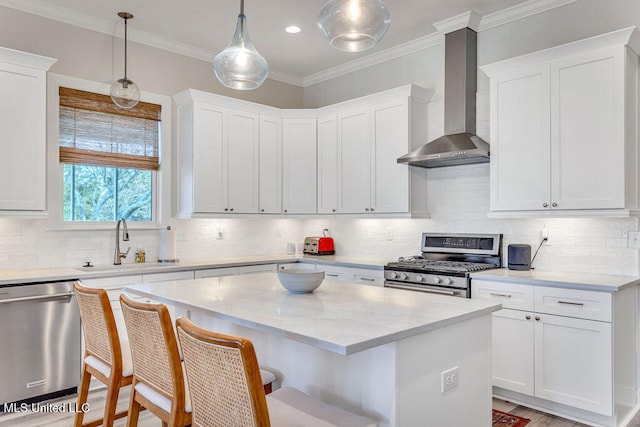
x: 341, y: 317
x: 573, y: 280
x: 11, y: 277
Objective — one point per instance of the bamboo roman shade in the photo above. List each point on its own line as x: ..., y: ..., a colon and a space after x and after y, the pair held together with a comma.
x: 94, y: 131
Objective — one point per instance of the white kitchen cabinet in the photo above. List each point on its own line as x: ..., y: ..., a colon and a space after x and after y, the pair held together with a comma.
x: 328, y: 164
x: 558, y: 348
x: 270, y: 167
x: 258, y: 268
x: 299, y: 174
x: 513, y: 350
x: 217, y: 154
x: 363, y: 276
x: 563, y: 124
x: 242, y: 162
x: 361, y: 148
x: 23, y: 95
x: 216, y: 272
x: 354, y: 161
x: 573, y: 362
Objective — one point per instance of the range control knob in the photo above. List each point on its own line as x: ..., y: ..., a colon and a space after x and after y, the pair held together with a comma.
x: 447, y: 281
x: 394, y: 275
x: 436, y: 279
x: 418, y: 278
x: 403, y: 276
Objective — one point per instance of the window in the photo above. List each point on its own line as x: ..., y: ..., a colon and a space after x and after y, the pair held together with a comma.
x: 110, y: 157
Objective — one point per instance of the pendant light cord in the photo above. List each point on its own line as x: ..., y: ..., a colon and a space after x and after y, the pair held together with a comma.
x: 242, y: 7
x: 125, y: 48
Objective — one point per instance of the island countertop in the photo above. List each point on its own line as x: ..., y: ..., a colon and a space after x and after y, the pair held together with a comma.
x: 340, y: 317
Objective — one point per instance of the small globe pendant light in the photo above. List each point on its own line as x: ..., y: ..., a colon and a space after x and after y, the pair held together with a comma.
x: 240, y: 66
x: 354, y: 25
x: 124, y: 92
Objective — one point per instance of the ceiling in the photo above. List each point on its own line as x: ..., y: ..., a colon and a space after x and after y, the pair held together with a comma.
x: 202, y: 28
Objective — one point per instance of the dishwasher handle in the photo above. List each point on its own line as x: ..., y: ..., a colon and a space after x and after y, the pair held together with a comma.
x: 37, y: 297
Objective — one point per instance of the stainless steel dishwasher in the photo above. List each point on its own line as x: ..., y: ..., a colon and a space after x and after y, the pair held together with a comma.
x: 39, y: 341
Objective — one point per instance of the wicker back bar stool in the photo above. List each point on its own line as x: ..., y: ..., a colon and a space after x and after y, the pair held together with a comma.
x: 106, y: 357
x: 158, y: 378
x: 226, y: 389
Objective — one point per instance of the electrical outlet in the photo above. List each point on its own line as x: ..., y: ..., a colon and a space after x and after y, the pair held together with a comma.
x: 544, y: 234
x: 278, y: 232
x: 218, y: 233
x: 389, y: 234
x: 449, y: 379
x: 634, y: 239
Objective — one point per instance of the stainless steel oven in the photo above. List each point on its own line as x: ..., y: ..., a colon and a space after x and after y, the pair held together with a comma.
x: 445, y: 263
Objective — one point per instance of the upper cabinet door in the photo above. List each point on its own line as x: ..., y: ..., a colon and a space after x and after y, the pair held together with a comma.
x: 564, y: 129
x: 390, y: 180
x: 242, y: 161
x: 208, y: 153
x: 299, y: 166
x: 270, y: 168
x: 354, y: 162
x: 327, y: 164
x: 23, y: 91
x: 520, y: 140
x: 587, y: 122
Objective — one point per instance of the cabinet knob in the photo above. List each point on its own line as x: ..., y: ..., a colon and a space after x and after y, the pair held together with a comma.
x: 261, y: 210
x: 527, y: 317
x: 333, y: 210
x: 285, y: 211
x: 371, y: 209
x: 366, y: 209
x: 554, y: 205
x: 231, y: 209
x: 226, y: 209
x: 538, y: 318
x: 545, y: 205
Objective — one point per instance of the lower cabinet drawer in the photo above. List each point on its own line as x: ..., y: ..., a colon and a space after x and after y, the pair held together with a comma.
x: 510, y: 295
x: 573, y: 303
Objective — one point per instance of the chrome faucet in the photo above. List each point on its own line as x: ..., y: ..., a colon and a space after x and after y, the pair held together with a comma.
x: 117, y: 257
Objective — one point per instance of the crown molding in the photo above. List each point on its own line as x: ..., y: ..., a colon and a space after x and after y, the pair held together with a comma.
x: 403, y: 49
x: 514, y: 13
x: 531, y: 7
x: 469, y: 19
x: 486, y: 22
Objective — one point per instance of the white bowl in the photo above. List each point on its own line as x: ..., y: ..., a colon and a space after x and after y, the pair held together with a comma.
x: 300, y: 281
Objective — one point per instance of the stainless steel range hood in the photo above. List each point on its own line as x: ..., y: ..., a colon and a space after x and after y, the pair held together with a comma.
x: 459, y: 145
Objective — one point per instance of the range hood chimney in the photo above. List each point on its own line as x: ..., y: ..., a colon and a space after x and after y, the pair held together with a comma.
x: 460, y: 145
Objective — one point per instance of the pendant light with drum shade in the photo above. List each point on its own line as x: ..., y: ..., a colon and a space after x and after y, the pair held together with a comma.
x: 240, y: 66
x: 354, y: 25
x: 124, y: 92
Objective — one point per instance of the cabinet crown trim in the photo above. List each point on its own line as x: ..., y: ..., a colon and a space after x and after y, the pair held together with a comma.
x: 625, y: 37
x: 25, y: 59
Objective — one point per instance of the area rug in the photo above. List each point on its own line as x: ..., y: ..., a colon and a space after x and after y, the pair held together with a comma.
x: 502, y: 419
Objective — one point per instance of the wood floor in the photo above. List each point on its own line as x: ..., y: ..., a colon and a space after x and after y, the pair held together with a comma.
x: 97, y: 398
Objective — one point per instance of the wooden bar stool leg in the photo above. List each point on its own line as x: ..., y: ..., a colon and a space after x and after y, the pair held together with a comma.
x: 83, y: 393
x: 111, y: 402
x: 134, y: 409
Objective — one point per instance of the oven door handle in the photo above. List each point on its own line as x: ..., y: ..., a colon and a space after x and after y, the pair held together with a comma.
x: 421, y: 289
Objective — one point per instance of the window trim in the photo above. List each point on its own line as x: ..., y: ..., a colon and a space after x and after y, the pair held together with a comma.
x: 55, y: 189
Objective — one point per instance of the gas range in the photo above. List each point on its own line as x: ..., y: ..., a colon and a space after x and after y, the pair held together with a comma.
x: 445, y: 263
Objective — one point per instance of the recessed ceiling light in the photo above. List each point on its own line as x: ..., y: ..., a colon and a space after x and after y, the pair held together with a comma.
x: 292, y: 29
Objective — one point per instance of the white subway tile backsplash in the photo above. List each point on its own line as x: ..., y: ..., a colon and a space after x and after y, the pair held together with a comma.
x: 458, y: 199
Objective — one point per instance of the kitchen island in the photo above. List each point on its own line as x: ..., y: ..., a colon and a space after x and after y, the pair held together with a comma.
x: 381, y: 352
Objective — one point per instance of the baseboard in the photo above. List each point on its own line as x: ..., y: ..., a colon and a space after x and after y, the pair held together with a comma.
x: 564, y: 411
